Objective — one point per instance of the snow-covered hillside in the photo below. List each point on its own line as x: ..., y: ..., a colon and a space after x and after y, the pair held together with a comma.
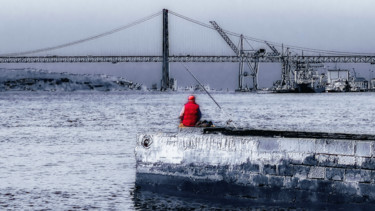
x: 30, y: 79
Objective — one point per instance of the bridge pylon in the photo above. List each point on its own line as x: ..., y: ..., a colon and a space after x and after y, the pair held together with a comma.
x: 165, y: 81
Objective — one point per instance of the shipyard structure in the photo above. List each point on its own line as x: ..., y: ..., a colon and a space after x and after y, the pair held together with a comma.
x: 314, y: 78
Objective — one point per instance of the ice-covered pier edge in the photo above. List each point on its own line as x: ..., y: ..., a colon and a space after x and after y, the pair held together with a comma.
x: 254, y: 168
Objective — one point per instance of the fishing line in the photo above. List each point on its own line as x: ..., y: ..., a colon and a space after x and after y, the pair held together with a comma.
x: 221, y: 109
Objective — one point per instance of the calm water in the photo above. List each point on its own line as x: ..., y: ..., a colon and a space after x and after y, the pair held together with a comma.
x: 63, y: 151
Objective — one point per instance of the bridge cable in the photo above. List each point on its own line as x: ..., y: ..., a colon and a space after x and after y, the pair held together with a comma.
x: 192, y: 20
x: 86, y: 39
x: 221, y: 109
x: 271, y: 42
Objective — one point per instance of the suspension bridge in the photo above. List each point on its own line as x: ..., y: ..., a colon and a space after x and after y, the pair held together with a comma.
x: 287, y: 55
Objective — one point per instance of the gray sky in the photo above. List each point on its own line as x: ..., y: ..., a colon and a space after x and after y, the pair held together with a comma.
x: 343, y: 25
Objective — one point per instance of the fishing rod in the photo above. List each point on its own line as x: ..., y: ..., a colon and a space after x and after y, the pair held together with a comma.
x: 196, y: 79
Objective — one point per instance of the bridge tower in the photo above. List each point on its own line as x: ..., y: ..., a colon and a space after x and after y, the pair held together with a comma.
x: 165, y: 69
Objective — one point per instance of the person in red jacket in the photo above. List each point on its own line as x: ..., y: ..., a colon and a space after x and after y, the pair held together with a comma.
x: 190, y: 113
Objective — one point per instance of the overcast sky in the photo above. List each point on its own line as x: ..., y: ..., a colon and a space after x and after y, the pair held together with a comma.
x: 343, y: 25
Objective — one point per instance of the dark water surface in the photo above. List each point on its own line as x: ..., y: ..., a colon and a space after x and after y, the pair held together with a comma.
x: 62, y: 151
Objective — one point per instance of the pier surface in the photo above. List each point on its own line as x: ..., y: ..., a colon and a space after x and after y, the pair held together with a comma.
x: 287, y: 134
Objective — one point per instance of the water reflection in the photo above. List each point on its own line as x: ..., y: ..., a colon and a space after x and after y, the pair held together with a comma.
x: 146, y: 199
x: 149, y: 200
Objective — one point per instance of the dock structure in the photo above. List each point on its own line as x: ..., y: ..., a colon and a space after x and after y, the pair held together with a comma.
x: 259, y: 166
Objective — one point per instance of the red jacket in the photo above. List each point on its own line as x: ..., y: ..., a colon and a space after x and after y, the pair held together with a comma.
x: 191, y: 114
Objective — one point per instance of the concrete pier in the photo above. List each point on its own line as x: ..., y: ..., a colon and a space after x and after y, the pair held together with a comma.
x: 258, y: 169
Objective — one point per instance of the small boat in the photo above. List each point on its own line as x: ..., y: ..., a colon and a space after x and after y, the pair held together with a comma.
x: 306, y: 79
x: 338, y: 81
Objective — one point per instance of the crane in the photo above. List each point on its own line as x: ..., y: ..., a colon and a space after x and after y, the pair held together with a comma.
x: 243, y: 57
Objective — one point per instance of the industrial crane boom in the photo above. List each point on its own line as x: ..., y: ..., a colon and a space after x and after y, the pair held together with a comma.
x: 272, y: 48
x: 225, y: 37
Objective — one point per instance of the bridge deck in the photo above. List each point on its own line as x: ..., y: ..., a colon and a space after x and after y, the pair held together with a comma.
x: 116, y: 59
